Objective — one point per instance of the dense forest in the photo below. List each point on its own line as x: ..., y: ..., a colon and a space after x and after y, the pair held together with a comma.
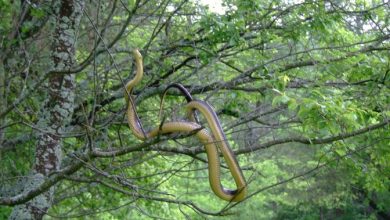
x: 299, y: 88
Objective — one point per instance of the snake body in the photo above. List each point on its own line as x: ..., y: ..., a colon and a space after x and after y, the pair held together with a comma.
x: 186, y: 94
x: 211, y: 141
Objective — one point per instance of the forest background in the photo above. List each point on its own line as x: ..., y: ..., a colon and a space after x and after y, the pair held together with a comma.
x: 301, y: 89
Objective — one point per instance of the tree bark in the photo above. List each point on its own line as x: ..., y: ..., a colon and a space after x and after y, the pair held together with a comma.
x: 57, y: 109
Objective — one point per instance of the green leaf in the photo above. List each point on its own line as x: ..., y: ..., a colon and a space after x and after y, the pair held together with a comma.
x: 37, y: 12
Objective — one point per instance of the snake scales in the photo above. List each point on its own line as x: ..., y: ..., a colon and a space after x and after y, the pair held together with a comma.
x: 211, y: 141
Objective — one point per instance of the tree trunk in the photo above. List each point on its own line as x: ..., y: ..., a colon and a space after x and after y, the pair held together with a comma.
x: 57, y: 110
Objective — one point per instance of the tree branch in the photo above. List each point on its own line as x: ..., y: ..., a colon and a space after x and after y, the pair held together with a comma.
x: 316, y: 140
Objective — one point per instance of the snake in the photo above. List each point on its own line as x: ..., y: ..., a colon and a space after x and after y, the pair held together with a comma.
x: 186, y: 94
x: 211, y: 141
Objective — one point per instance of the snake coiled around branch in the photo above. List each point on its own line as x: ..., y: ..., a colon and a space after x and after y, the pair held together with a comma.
x: 211, y: 141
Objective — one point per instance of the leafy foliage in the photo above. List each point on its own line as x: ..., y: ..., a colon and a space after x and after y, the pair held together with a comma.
x: 301, y: 88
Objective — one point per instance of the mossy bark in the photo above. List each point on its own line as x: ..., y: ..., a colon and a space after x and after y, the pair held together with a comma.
x: 57, y: 109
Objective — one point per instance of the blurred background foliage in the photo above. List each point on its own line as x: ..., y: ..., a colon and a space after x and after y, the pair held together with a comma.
x: 301, y: 88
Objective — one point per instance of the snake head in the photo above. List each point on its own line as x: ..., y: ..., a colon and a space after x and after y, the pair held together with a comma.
x: 137, y: 55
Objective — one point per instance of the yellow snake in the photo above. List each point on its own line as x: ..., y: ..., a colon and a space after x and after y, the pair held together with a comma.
x: 209, y: 141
